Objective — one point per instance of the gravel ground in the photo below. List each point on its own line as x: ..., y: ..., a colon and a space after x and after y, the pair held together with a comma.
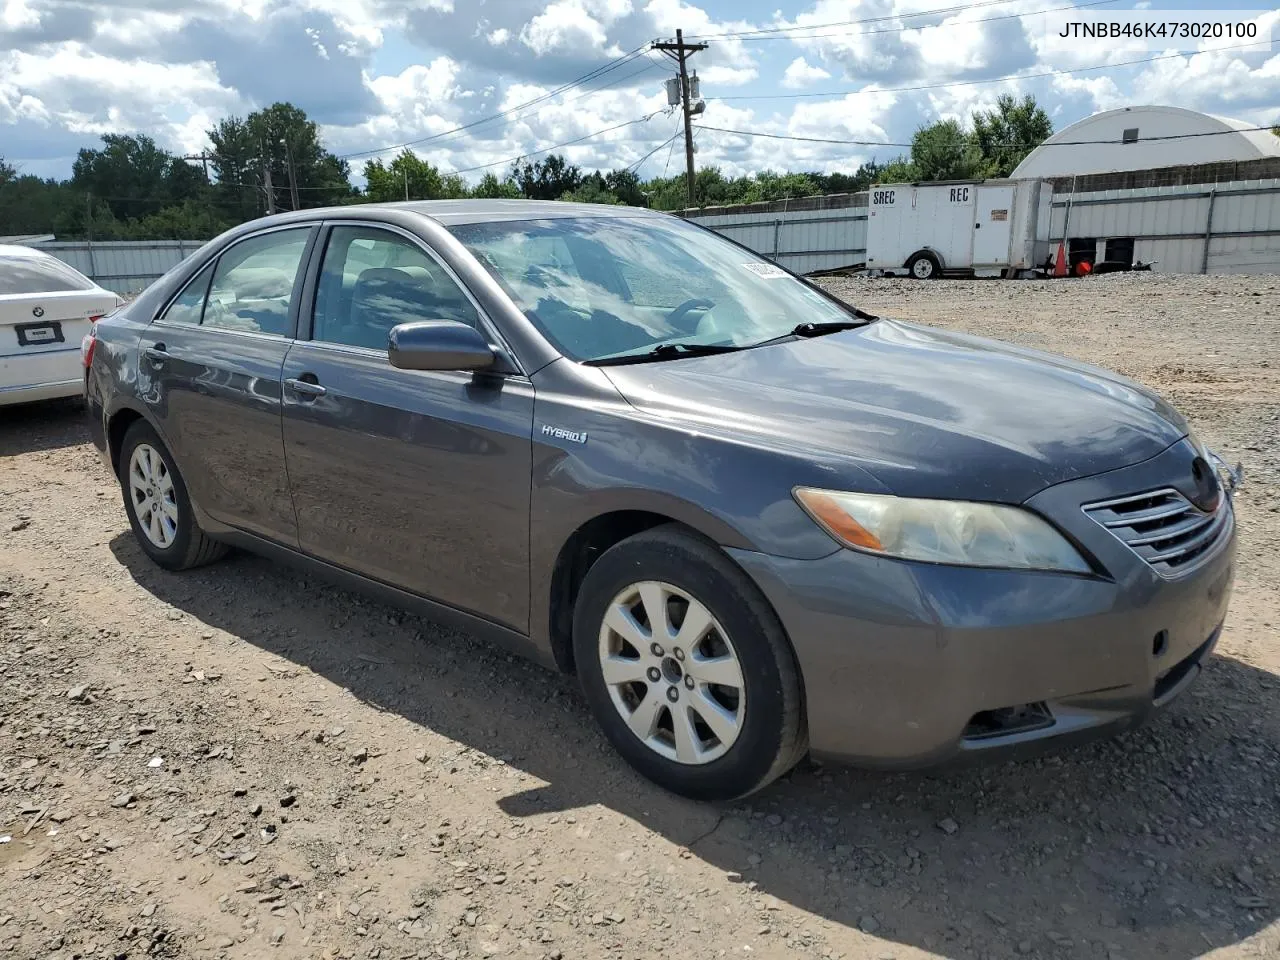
x: 242, y: 762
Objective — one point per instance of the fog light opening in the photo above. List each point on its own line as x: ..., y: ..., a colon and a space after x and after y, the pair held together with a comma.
x: 1160, y: 643
x: 1008, y: 720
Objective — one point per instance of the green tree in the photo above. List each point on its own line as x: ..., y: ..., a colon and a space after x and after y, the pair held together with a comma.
x: 625, y: 185
x: 135, y: 177
x: 236, y: 161
x: 8, y: 172
x: 30, y: 205
x: 1005, y: 135
x: 945, y: 151
x: 282, y: 141
x: 593, y: 189
x: 493, y: 188
x: 453, y: 187
x: 407, y: 177
x: 547, y: 179
x: 898, y: 170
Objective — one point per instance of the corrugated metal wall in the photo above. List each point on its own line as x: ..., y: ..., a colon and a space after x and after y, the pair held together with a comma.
x: 123, y: 266
x: 803, y: 240
x: 1172, y: 225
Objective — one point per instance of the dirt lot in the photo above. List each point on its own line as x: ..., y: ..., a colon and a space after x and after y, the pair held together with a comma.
x: 242, y: 762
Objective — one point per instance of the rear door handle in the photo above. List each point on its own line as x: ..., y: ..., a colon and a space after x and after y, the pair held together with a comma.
x: 156, y: 354
x: 305, y: 388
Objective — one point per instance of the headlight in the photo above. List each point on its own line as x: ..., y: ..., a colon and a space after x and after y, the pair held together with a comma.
x: 941, y: 531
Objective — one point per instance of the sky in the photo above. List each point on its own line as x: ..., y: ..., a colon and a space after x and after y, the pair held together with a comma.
x: 376, y: 74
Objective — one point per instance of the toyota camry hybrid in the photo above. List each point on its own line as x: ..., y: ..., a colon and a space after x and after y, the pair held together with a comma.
x: 754, y: 521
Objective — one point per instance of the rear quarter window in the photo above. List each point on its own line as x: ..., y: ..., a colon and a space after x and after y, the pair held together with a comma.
x: 19, y: 275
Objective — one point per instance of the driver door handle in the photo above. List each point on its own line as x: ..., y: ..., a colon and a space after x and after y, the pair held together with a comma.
x: 156, y: 354
x: 305, y: 388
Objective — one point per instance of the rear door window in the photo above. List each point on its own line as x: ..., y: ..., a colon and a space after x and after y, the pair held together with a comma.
x: 19, y: 275
x: 189, y: 305
x: 254, y: 284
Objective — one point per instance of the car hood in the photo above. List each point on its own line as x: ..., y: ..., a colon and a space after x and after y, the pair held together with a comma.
x: 927, y: 412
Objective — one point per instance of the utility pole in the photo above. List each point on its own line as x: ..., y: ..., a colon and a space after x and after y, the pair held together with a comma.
x: 406, y: 184
x: 680, y: 52
x: 266, y: 182
x: 203, y: 157
x: 293, y: 176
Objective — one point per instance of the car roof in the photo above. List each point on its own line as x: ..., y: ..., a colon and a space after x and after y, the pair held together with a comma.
x: 23, y: 253
x: 451, y: 212
x: 455, y: 212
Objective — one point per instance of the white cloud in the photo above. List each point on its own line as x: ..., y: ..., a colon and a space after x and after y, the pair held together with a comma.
x: 573, y: 25
x: 84, y: 92
x: 723, y: 76
x: 801, y: 73
x: 499, y: 37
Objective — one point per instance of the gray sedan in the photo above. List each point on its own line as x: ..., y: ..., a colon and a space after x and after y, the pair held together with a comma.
x: 753, y: 520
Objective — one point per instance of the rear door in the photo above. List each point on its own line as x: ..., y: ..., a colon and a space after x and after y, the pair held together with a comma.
x: 46, y: 308
x: 209, y: 369
x: 419, y: 479
x: 992, y: 226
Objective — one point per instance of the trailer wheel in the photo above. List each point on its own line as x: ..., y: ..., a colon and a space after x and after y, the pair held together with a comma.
x: 923, y: 266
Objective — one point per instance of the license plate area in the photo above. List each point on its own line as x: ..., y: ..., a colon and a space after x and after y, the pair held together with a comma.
x: 39, y: 334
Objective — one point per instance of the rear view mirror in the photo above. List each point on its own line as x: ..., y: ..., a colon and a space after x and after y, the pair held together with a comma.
x: 439, y: 345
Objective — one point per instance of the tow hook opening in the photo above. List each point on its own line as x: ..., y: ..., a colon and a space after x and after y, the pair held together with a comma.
x: 1007, y: 720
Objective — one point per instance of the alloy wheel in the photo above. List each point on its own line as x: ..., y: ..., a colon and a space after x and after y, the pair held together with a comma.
x: 152, y: 495
x: 672, y: 672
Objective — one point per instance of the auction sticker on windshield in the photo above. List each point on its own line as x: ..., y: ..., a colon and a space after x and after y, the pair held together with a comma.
x: 768, y: 271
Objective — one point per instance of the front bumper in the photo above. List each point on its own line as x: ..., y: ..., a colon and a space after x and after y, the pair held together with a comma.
x: 909, y: 664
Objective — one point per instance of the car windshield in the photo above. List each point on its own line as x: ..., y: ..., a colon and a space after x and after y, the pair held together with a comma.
x: 22, y: 274
x: 613, y: 286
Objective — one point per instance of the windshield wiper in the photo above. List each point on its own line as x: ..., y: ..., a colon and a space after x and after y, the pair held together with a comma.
x: 663, y: 351
x: 815, y: 330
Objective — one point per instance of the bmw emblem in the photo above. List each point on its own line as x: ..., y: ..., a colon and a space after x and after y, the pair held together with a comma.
x: 37, y: 311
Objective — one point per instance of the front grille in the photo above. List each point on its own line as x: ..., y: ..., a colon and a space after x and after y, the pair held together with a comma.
x: 1164, y: 528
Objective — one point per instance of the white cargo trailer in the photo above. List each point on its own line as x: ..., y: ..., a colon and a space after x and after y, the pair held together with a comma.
x: 978, y: 228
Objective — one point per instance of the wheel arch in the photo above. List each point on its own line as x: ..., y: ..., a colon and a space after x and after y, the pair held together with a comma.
x: 929, y: 252
x: 579, y: 551
x: 118, y: 424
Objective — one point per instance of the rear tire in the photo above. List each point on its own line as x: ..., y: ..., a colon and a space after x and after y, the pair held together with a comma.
x: 159, y: 508
x: 718, y: 714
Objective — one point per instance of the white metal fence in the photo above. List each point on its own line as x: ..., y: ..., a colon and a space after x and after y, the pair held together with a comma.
x: 1201, y: 228
x: 122, y: 266
x: 1231, y: 227
x: 807, y: 235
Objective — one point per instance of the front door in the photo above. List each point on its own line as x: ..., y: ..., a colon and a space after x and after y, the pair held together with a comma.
x: 419, y: 479
x: 992, y: 223
x: 209, y: 369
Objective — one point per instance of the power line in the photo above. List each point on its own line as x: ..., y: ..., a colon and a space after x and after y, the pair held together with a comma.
x: 585, y: 78
x: 963, y: 23
x: 635, y: 167
x: 744, y: 34
x: 556, y: 146
x: 1072, y: 143
x: 972, y: 83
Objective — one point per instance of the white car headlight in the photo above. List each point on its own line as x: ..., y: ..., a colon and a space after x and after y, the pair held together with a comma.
x: 941, y: 531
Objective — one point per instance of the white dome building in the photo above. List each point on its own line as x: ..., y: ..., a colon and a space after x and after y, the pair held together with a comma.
x: 1142, y: 138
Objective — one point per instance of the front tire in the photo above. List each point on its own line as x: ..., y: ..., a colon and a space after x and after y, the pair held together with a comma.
x: 159, y: 508
x: 686, y: 667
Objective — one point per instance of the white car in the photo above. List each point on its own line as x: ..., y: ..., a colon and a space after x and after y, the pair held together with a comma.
x: 46, y: 309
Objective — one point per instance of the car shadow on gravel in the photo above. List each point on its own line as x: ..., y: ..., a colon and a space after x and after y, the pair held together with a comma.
x: 1160, y: 844
x: 32, y: 427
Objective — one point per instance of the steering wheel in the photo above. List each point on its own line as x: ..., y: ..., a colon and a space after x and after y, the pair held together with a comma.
x: 675, y: 317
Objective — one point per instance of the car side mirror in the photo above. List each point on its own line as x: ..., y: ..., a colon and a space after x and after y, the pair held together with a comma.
x: 439, y: 345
